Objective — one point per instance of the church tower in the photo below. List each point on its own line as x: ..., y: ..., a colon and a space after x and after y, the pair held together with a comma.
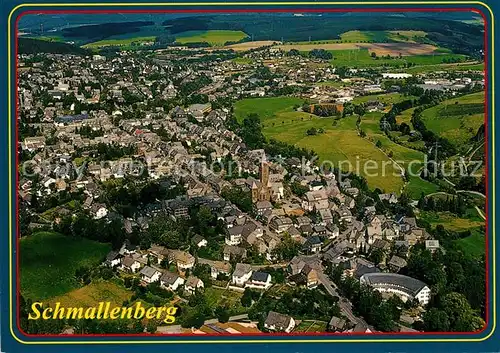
x: 264, y: 173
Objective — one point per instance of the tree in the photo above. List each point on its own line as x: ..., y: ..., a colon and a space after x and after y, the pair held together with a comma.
x: 222, y: 314
x: 287, y: 249
x: 378, y: 144
x: 377, y: 256
x: 436, y: 320
x: 462, y: 317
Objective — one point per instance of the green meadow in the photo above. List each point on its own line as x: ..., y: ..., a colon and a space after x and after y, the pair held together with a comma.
x: 48, y: 262
x: 456, y: 119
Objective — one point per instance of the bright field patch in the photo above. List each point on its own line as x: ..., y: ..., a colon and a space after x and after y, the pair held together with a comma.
x: 48, y: 263
x: 456, y: 119
x: 265, y: 108
x: 125, y: 42
x: 213, y: 37
x: 101, y: 291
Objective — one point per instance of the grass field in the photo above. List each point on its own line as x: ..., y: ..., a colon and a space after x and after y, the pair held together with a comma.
x: 223, y: 297
x: 465, y: 66
x: 93, y: 293
x: 450, y: 221
x: 386, y: 98
x: 48, y: 262
x: 361, y: 57
x: 405, y: 116
x: 124, y: 42
x: 474, y: 244
x: 242, y: 60
x: 264, y: 107
x: 406, y: 157
x: 311, y: 326
x: 456, y: 119
x: 340, y: 145
x: 213, y: 37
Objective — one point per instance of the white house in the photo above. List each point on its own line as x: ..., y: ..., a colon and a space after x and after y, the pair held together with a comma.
x: 241, y: 274
x: 171, y: 281
x: 149, y: 274
x: 192, y: 284
x: 99, y: 210
x: 259, y: 280
x: 130, y: 264
x: 199, y: 241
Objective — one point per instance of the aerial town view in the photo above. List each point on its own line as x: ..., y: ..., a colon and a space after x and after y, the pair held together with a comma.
x: 252, y: 173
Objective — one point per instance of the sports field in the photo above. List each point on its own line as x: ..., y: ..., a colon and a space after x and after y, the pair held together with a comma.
x: 212, y: 37
x: 48, y: 262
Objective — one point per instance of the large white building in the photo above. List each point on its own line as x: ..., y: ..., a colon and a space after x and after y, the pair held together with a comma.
x: 407, y: 288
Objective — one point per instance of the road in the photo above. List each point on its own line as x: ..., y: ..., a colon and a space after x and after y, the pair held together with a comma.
x: 480, y: 212
x: 345, y: 307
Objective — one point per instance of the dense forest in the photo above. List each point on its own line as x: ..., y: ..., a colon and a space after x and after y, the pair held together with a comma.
x: 35, y: 46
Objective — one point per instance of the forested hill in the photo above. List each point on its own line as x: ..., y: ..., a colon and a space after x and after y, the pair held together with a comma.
x: 35, y: 46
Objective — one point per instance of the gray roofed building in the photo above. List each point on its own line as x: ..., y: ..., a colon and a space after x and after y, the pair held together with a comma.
x: 168, y: 277
x: 279, y: 322
x: 336, y: 324
x: 396, y: 263
x: 403, y: 286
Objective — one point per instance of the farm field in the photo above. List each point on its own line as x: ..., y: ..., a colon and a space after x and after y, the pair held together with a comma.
x: 339, y: 144
x: 456, y: 119
x: 363, y: 58
x: 123, y: 42
x: 213, y: 37
x: 93, y: 293
x: 249, y: 45
x: 48, y: 262
x: 464, y: 66
x: 356, y: 36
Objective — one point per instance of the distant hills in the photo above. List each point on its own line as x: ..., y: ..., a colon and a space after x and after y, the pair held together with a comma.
x: 35, y: 46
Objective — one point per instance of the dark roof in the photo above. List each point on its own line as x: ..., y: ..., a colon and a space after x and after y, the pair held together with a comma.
x: 128, y: 261
x: 169, y: 277
x: 411, y: 285
x: 363, y: 270
x: 260, y: 276
x: 112, y: 255
x: 197, y: 239
x: 148, y: 271
x: 278, y: 320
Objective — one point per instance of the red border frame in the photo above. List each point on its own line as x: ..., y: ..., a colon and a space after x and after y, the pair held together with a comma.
x: 224, y: 10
